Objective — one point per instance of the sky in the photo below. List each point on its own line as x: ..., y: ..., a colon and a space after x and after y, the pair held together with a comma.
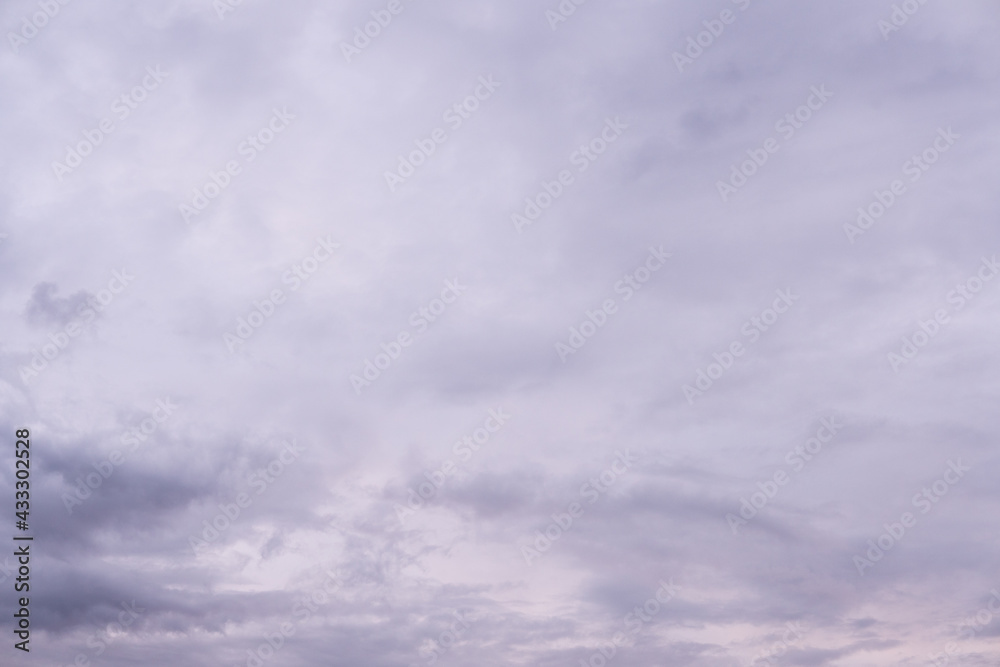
x: 536, y: 332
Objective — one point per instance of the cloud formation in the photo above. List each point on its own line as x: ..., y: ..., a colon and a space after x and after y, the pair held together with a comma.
x: 558, y: 333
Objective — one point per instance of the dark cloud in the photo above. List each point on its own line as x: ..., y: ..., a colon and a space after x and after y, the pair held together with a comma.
x: 46, y: 309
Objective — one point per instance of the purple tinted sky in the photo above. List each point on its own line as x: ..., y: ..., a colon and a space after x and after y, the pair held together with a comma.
x: 313, y: 195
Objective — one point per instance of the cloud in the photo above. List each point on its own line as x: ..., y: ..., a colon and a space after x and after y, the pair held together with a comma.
x: 185, y: 191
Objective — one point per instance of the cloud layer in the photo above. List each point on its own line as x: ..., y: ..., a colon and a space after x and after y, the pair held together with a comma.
x: 491, y: 333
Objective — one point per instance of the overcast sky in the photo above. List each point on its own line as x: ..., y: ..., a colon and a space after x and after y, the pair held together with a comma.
x: 503, y: 334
